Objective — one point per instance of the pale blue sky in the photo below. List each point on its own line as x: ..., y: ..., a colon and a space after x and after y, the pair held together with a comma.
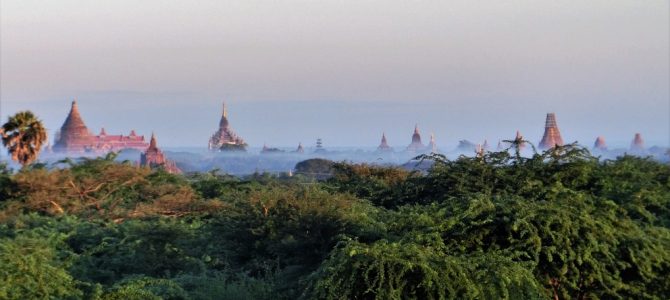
x: 342, y: 70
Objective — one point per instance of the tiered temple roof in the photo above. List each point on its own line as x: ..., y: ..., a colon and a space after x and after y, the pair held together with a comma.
x: 384, y: 146
x: 416, y: 145
x: 74, y: 137
x: 552, y: 136
x: 153, y: 157
x: 225, y: 138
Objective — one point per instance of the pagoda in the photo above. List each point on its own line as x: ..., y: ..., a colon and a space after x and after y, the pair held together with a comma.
x: 153, y: 157
x: 74, y: 137
x: 600, y: 144
x: 416, y: 145
x: 432, y: 146
x: 552, y: 136
x: 225, y: 139
x: 270, y: 150
x: 384, y: 146
x: 638, y: 143
x: 319, y: 146
x: 519, y: 139
x: 300, y: 149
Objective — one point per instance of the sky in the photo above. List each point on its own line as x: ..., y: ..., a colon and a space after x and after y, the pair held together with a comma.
x: 345, y: 71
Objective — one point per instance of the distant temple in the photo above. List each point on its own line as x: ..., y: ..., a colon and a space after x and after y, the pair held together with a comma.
x: 269, y: 150
x: 384, y: 146
x: 416, y: 145
x: 638, y: 143
x: 319, y: 146
x: 153, y: 157
x: 300, y: 149
x: 600, y: 144
x: 485, y: 145
x: 432, y: 146
x: 519, y: 138
x: 74, y: 137
x: 225, y: 139
x: 552, y: 136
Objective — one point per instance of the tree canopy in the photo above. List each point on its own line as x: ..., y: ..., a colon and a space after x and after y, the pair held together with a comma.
x: 560, y: 224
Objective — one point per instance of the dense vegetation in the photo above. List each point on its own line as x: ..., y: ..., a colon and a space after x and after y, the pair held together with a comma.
x: 560, y: 225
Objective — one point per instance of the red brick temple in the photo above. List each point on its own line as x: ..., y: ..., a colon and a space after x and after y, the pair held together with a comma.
x: 416, y: 145
x: 552, y: 136
x: 153, y: 157
x: 74, y: 137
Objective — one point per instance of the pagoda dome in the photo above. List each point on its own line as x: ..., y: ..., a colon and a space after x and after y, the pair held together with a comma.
x: 74, y: 124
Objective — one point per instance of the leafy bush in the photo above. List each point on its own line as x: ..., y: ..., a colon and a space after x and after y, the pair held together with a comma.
x: 559, y: 224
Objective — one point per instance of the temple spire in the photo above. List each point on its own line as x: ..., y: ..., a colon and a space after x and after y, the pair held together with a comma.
x: 638, y: 143
x: 153, y: 143
x: 432, y: 146
x: 74, y: 124
x: 384, y: 146
x: 552, y: 136
x: 416, y: 144
x: 224, y: 117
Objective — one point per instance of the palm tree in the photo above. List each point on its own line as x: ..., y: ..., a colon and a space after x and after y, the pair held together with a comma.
x: 23, y: 135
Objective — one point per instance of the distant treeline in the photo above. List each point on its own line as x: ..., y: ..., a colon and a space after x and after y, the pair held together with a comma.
x: 558, y: 225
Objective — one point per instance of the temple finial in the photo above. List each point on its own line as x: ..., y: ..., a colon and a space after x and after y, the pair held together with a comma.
x: 225, y: 111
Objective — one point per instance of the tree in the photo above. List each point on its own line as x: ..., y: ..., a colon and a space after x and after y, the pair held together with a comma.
x: 23, y: 135
x: 318, y: 168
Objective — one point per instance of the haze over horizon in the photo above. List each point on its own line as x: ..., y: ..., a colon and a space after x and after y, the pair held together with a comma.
x: 293, y: 71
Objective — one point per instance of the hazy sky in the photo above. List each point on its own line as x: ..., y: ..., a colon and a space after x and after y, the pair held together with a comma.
x: 344, y: 71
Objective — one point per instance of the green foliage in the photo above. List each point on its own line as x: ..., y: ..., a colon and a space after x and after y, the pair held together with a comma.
x: 377, y: 184
x: 7, y: 185
x: 559, y: 224
x: 159, y: 248
x: 420, y: 269
x: 32, y: 268
x: 317, y: 168
x: 141, y: 288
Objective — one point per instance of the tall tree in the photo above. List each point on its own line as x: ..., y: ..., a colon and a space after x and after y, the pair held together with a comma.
x: 23, y: 135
